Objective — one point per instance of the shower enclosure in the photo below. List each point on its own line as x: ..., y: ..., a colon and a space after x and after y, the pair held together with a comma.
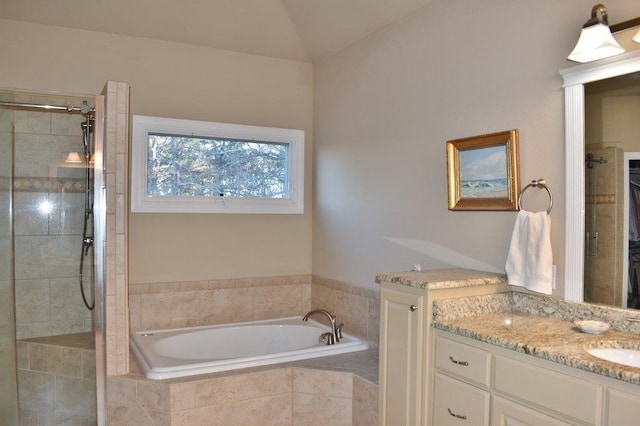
x: 47, y: 260
x: 603, y: 225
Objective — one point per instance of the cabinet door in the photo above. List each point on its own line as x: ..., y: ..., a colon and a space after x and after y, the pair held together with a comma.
x: 508, y: 413
x: 622, y: 408
x: 401, y: 366
x: 456, y: 403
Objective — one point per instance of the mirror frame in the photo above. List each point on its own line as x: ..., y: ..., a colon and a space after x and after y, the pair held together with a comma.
x: 574, y: 80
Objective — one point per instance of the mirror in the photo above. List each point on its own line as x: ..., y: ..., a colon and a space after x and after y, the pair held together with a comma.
x: 577, y: 81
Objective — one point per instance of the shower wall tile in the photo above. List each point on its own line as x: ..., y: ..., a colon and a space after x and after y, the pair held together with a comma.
x: 68, y: 125
x: 66, y: 299
x: 51, y: 379
x: 67, y: 216
x: 28, y: 218
x: 32, y: 122
x: 36, y: 390
x: 47, y: 257
x: 32, y: 301
x: 39, y: 155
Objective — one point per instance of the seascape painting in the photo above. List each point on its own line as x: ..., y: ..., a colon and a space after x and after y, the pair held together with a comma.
x: 483, y: 173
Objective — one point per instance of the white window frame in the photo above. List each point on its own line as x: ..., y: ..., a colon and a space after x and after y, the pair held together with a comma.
x: 141, y: 203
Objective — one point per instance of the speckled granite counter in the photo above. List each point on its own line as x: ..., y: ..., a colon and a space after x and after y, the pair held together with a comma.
x: 442, y: 278
x: 542, y: 327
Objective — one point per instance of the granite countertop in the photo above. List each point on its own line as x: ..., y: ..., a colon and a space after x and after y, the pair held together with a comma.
x: 542, y: 327
x: 442, y: 278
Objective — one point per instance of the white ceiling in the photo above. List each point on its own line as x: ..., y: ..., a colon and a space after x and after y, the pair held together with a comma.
x: 305, y: 30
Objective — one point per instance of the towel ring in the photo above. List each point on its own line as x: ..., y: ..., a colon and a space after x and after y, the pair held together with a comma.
x: 540, y: 183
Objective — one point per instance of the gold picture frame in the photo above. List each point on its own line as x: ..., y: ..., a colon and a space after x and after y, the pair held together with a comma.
x: 483, y: 172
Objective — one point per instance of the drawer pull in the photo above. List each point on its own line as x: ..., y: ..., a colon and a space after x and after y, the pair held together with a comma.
x: 455, y: 361
x: 457, y: 416
x: 413, y: 308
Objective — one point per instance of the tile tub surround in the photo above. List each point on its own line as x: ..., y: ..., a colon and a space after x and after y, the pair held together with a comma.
x: 155, y: 306
x: 542, y: 327
x: 337, y: 390
x: 56, y: 380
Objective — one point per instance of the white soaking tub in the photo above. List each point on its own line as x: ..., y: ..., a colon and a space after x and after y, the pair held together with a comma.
x: 164, y: 354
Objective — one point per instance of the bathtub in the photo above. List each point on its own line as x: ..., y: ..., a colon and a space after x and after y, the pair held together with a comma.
x: 164, y: 354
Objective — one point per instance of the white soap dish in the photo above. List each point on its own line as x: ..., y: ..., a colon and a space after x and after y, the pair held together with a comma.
x: 592, y: 326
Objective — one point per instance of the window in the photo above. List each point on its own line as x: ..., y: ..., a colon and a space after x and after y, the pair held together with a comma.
x: 185, y: 166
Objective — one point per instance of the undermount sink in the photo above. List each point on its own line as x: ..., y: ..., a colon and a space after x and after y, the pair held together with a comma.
x: 629, y: 357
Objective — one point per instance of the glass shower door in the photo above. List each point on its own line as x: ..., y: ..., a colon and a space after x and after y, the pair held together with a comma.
x: 8, y: 384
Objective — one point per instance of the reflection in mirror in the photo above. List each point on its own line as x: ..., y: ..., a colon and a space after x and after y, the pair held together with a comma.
x: 612, y: 135
x: 599, y: 97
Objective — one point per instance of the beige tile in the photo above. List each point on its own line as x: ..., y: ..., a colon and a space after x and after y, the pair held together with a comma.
x: 272, y: 411
x: 121, y: 390
x: 320, y: 382
x: 353, y: 311
x: 22, y: 355
x: 313, y: 410
x: 373, y: 321
x: 32, y: 301
x: 36, y: 390
x: 279, y: 301
x: 323, y: 297
x: 75, y: 396
x: 365, y: 402
x: 153, y: 396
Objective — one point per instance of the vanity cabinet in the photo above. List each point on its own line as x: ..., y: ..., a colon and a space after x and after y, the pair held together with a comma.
x: 522, y: 390
x: 401, y: 347
x: 406, y: 311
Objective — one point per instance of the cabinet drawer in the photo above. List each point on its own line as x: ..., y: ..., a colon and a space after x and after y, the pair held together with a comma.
x: 508, y: 413
x: 567, y: 395
x: 463, y: 360
x: 457, y: 403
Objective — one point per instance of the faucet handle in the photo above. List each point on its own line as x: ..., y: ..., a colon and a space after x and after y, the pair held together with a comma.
x: 327, y: 337
x: 339, y: 330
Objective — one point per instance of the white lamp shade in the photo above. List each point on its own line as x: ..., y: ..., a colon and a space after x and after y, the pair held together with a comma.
x: 73, y: 157
x: 595, y: 42
x: 636, y: 37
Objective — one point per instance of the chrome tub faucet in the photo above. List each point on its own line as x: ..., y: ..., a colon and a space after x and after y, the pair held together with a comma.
x: 336, y: 330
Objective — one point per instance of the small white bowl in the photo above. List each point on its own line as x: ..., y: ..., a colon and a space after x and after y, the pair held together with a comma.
x: 592, y: 326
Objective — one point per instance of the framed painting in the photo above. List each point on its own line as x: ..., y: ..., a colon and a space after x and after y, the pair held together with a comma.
x: 483, y: 172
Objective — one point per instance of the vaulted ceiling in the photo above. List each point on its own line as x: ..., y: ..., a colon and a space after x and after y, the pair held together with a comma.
x: 305, y: 30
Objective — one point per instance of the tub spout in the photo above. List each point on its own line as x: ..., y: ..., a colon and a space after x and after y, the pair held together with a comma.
x: 334, y: 329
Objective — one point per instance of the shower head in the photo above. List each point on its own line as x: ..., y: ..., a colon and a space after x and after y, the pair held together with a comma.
x: 84, y: 108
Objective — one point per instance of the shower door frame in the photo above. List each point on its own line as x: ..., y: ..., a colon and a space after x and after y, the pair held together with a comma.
x: 100, y: 241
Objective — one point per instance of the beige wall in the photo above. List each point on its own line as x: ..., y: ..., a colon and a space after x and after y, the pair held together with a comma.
x: 384, y: 108
x: 181, y: 81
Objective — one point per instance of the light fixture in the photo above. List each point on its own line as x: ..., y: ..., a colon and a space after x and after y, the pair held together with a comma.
x: 596, y: 41
x: 73, y: 157
x: 636, y: 37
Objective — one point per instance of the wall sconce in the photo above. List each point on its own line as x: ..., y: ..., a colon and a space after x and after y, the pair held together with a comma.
x: 596, y: 41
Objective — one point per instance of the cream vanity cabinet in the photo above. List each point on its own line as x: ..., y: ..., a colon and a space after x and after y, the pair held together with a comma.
x: 405, y: 332
x: 480, y: 384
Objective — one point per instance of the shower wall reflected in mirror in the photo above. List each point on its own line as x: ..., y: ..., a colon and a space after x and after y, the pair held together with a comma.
x: 48, y: 216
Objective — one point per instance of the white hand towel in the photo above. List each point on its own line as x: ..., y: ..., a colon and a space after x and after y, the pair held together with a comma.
x: 530, y: 260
